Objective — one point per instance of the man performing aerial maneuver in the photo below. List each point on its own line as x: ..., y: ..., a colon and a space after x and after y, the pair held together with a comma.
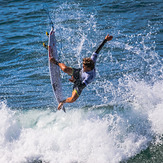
x: 81, y: 77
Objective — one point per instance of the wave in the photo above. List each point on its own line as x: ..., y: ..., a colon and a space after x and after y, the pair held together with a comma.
x: 107, y: 133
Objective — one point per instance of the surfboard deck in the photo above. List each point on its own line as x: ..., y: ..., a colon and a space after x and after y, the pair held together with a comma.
x: 54, y: 69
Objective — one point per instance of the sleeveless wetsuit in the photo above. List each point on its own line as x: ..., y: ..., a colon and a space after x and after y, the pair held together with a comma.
x: 82, y: 79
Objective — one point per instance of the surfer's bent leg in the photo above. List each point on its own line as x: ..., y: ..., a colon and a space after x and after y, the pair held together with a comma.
x: 71, y: 99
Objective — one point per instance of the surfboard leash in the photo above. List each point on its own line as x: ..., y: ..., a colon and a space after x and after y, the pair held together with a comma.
x: 45, y: 7
x: 47, y: 11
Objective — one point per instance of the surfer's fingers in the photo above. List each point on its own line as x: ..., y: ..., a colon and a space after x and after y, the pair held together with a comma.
x: 53, y: 60
x: 50, y: 58
x: 108, y: 38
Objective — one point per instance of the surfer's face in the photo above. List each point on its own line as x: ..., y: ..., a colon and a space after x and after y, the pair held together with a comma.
x: 86, y: 69
x: 88, y: 64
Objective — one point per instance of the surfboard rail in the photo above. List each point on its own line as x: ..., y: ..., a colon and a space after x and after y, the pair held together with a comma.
x: 54, y: 69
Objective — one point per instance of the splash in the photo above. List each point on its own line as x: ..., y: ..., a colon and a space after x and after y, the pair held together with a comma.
x: 79, y: 135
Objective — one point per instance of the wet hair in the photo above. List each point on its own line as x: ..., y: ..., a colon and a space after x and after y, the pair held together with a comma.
x: 89, y: 63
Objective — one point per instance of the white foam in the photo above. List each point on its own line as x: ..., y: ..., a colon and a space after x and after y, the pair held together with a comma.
x: 148, y: 100
x: 156, y: 113
x: 77, y: 136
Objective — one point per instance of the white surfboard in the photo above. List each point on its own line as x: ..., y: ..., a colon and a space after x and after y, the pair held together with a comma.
x: 54, y: 69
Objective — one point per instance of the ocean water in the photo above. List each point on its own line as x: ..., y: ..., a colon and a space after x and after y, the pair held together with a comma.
x: 118, y: 118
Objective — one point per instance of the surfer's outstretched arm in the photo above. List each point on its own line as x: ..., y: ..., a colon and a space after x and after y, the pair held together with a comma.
x: 95, y: 54
x: 107, y: 38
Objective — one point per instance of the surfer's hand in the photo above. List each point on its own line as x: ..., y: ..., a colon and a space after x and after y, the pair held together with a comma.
x: 60, y: 105
x: 72, y: 79
x: 53, y: 60
x: 108, y: 38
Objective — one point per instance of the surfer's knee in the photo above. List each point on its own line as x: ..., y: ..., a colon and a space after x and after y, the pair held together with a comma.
x: 74, y: 96
x: 71, y: 99
x: 66, y: 69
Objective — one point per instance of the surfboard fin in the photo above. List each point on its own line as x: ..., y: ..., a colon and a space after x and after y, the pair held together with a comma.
x: 63, y: 108
x: 47, y: 34
x: 45, y: 46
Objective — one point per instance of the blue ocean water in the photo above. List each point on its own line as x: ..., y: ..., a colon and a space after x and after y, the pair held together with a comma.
x: 118, y: 117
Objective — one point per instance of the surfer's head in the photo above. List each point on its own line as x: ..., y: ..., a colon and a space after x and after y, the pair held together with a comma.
x: 88, y: 64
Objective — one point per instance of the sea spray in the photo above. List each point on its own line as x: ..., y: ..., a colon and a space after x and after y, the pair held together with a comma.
x: 79, y: 135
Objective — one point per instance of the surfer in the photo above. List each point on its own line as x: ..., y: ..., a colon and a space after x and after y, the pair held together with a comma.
x: 81, y: 77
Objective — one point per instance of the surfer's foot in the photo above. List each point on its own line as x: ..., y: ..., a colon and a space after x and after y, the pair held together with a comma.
x: 60, y: 105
